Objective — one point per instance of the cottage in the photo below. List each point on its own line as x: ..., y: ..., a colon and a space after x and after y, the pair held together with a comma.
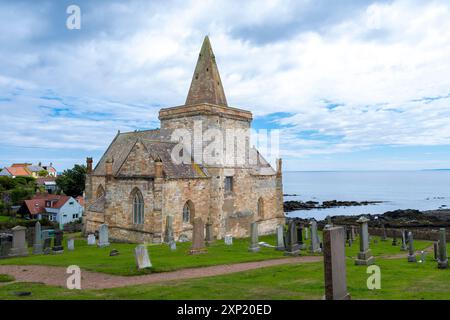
x: 146, y: 176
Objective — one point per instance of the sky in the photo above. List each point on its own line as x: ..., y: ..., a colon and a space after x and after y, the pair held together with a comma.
x: 351, y: 85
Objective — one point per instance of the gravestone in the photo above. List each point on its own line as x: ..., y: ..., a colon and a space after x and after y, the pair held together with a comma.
x: 173, y: 245
x: 403, y: 247
x: 228, y: 239
x: 70, y: 244
x: 19, y: 245
x: 350, y: 242
x: 254, y: 246
x: 209, y: 237
x: 5, y: 245
x: 47, y: 245
x: 315, y: 241
x: 436, y: 250
x: 198, y: 237
x: 301, y: 245
x: 57, y: 242
x: 384, y: 235
x: 37, y: 245
x: 103, y: 236
x: 142, y: 257
x: 411, y: 253
x: 353, y: 233
x: 280, y: 237
x: 365, y: 255
x: 168, y: 236
x: 442, y: 258
x: 292, y: 247
x: 334, y: 264
x: 306, y: 233
x: 394, y: 238
x: 91, y: 240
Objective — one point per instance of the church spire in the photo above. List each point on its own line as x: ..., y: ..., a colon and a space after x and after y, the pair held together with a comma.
x: 206, y: 86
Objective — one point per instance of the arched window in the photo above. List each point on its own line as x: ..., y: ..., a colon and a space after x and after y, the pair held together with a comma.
x: 188, y: 211
x: 100, y: 191
x: 260, y: 207
x: 138, y: 207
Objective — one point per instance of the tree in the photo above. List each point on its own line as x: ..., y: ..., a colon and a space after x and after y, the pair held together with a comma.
x: 43, y: 173
x: 72, y: 181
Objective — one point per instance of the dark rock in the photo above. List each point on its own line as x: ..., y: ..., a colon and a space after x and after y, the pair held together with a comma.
x: 113, y: 253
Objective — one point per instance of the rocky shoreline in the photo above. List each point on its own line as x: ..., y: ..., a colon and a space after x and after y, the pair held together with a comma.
x: 309, y: 205
x: 409, y: 218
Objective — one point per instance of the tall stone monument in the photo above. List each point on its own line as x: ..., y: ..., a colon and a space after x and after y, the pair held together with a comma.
x: 292, y: 247
x: 254, y: 246
x: 280, y: 237
x: 198, y: 237
x: 442, y: 258
x: 411, y: 253
x: 37, y: 245
x: 403, y: 247
x: 168, y: 235
x: 334, y: 264
x: 315, y: 241
x: 19, y: 244
x: 365, y: 255
x: 209, y: 237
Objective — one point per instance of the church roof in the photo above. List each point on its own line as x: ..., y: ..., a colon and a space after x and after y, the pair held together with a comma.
x: 206, y: 86
x: 153, y: 141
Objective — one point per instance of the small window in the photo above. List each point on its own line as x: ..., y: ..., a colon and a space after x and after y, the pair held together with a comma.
x: 138, y: 208
x: 186, y: 213
x: 228, y: 184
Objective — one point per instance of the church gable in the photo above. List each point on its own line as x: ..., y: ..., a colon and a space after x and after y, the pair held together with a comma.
x: 138, y: 162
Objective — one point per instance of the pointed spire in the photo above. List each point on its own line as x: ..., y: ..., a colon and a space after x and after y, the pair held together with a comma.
x: 206, y: 86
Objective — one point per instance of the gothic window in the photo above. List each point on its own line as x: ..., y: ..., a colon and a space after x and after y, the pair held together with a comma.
x: 228, y: 184
x: 260, y: 207
x: 188, y: 209
x: 138, y: 207
x: 100, y: 191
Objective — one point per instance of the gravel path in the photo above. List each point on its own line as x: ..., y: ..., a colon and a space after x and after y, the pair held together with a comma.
x: 56, y: 276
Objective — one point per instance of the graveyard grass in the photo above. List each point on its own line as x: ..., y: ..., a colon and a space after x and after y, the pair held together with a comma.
x: 399, y: 280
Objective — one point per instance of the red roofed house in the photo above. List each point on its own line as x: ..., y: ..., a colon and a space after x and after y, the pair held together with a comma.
x: 60, y: 208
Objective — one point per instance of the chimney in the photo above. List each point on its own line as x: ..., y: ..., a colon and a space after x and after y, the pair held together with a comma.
x: 279, y: 164
x: 89, y: 165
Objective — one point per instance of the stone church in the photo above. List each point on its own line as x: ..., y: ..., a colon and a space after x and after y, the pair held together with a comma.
x: 145, y: 176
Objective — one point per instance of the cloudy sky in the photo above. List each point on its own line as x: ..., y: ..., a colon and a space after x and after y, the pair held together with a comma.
x: 352, y: 85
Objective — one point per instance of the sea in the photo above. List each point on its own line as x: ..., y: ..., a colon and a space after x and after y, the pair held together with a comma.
x: 421, y: 190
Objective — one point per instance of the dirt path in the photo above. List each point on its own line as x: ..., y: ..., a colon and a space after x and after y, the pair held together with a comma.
x: 56, y: 276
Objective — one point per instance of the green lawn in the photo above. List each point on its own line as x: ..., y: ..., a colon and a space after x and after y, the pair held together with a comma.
x: 399, y: 280
x: 97, y: 259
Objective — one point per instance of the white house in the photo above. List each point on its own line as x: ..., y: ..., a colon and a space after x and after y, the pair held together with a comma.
x: 60, y: 208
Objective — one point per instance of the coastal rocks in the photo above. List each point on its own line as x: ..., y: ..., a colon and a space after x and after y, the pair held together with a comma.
x: 309, y: 205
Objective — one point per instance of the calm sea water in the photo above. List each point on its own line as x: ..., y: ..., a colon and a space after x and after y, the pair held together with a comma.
x: 421, y: 190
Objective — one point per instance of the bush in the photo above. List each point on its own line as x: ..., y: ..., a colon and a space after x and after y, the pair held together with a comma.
x: 25, y: 223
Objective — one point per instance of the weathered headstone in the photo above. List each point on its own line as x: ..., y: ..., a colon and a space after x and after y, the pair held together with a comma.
x: 47, y: 245
x: 436, y: 250
x: 173, y: 245
x: 353, y: 233
x: 442, y: 258
x: 280, y: 237
x: 91, y: 240
x: 306, y: 233
x: 142, y: 257
x: 71, y: 244
x: 315, y: 241
x: 228, y: 239
x: 394, y: 238
x: 292, y: 246
x: 254, y: 246
x: 365, y: 254
x: 334, y: 264
x: 403, y: 247
x: 384, y: 235
x: 411, y: 253
x: 37, y: 245
x: 103, y: 236
x: 57, y: 242
x: 19, y: 244
x: 301, y: 245
x: 198, y: 237
x: 209, y: 235
x: 168, y: 236
x: 5, y: 245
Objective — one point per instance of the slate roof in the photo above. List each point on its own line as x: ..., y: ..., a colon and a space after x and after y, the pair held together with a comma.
x: 153, y: 141
x: 34, y: 168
